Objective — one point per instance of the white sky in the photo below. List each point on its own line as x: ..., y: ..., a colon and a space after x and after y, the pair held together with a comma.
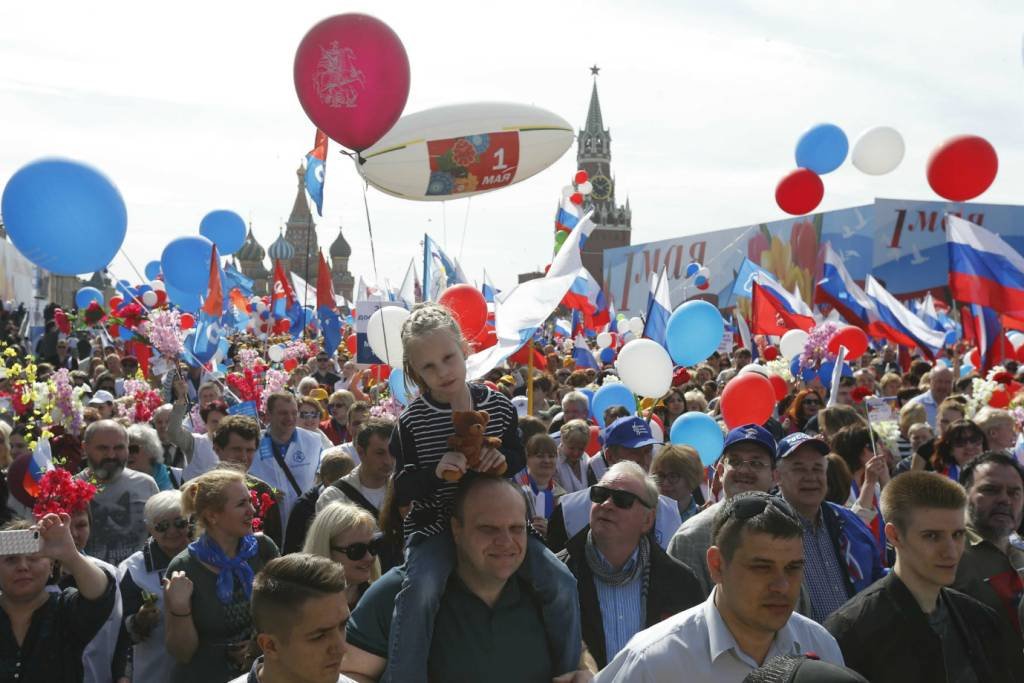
x: 190, y: 106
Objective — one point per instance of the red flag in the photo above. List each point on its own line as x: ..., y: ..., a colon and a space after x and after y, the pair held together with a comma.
x: 970, y: 331
x: 238, y: 300
x: 324, y: 285
x: 769, y: 316
x: 283, y: 297
x: 214, y: 303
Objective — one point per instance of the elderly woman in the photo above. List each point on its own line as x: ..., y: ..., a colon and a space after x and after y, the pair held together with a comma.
x: 311, y: 414
x: 208, y: 585
x: 140, y: 578
x: 805, y: 406
x: 146, y: 455
x: 348, y: 535
x: 678, y: 472
x: 571, y: 468
x: 538, y: 480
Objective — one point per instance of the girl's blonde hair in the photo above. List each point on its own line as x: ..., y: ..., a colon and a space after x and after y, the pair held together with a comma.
x: 334, y: 519
x: 424, y: 319
x: 207, y: 493
x: 541, y: 443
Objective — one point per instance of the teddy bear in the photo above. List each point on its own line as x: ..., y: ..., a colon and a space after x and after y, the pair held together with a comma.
x: 469, y: 440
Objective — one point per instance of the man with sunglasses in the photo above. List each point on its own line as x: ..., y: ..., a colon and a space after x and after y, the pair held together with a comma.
x: 747, y: 464
x: 626, y: 583
x: 366, y: 485
x: 324, y: 374
x: 841, y: 557
x: 626, y: 439
x: 756, y: 562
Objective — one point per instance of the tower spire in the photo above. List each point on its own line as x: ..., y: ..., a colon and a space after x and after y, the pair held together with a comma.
x: 595, y: 123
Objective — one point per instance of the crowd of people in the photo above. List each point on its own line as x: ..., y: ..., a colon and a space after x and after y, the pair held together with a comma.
x: 156, y: 529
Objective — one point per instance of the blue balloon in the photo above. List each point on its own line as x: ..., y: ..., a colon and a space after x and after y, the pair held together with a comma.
x: 152, y: 270
x: 403, y: 394
x: 822, y: 149
x: 692, y: 269
x: 807, y: 374
x: 224, y: 228
x: 694, y: 332
x: 87, y: 295
x: 607, y: 354
x: 589, y: 393
x: 186, y: 264
x: 64, y: 216
x: 700, y: 431
x: 609, y: 395
x: 183, y: 300
x: 828, y: 367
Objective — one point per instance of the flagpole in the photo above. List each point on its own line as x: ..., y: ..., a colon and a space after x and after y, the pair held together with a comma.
x: 529, y: 378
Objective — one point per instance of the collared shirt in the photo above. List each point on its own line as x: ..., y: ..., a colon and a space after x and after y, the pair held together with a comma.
x: 931, y: 408
x: 696, y: 645
x: 823, y: 577
x: 620, y: 606
x: 257, y: 668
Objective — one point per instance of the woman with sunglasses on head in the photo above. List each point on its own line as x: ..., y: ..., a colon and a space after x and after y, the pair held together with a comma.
x: 962, y: 441
x: 805, y: 406
x: 140, y: 577
x: 348, y: 535
x: 146, y: 453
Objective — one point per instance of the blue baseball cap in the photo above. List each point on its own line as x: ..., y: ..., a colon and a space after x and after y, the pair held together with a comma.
x: 794, y: 441
x: 751, y: 433
x: 630, y: 432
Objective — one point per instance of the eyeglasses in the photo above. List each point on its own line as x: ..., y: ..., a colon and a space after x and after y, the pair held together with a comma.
x: 543, y: 455
x: 306, y: 415
x: 752, y: 465
x: 180, y: 523
x: 322, y: 360
x: 134, y: 448
x: 667, y: 477
x: 357, y: 551
x: 967, y: 441
x: 621, y: 499
x: 746, y: 507
x: 335, y: 406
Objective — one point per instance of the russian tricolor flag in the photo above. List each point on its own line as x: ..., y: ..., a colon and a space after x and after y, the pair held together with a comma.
x: 582, y: 355
x: 38, y: 464
x: 840, y: 291
x: 774, y: 311
x: 985, y: 329
x: 899, y: 324
x: 983, y: 269
x: 659, y: 309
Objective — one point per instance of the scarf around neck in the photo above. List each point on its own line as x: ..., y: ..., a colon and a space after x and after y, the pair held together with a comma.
x: 208, y: 552
x: 641, y: 567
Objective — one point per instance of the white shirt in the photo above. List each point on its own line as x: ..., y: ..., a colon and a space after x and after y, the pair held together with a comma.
x: 203, y: 459
x: 567, y: 479
x: 576, y: 515
x: 333, y: 494
x: 699, y: 643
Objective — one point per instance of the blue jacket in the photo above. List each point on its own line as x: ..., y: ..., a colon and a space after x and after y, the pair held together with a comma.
x: 855, y: 546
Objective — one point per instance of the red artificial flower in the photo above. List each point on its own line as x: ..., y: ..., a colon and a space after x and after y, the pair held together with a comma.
x: 94, y: 314
x: 1003, y: 377
x: 131, y: 315
x: 60, y: 492
x: 680, y: 376
x: 859, y: 394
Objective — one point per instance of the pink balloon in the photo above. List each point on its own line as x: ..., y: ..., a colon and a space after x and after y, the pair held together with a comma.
x: 352, y: 78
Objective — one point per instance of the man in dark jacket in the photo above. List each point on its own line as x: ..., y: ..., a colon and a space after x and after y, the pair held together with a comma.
x: 909, y: 626
x: 626, y: 583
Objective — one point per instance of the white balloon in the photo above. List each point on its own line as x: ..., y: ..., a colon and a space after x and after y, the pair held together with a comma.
x: 384, y: 334
x: 645, y: 368
x: 1016, y: 339
x: 157, y: 286
x: 636, y: 325
x: 585, y: 188
x: 792, y: 344
x: 604, y: 340
x: 399, y: 163
x: 149, y: 298
x: 275, y: 353
x: 878, y: 150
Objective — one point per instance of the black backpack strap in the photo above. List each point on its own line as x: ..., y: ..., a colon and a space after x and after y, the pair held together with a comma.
x: 287, y: 470
x: 353, y: 494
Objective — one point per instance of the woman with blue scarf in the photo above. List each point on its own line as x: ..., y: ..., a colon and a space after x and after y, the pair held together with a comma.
x: 208, y: 585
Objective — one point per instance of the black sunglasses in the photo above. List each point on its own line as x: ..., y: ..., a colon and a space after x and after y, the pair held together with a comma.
x: 357, y: 551
x: 179, y: 523
x: 134, y: 448
x: 751, y: 506
x: 621, y: 499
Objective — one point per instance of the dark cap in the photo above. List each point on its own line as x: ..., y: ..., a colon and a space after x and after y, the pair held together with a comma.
x: 751, y: 433
x: 791, y: 443
x: 802, y: 669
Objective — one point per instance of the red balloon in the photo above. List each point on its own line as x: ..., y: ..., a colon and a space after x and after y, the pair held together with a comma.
x: 771, y: 353
x: 115, y: 302
x: 282, y: 326
x: 1000, y: 398
x: 748, y: 398
x: 380, y: 372
x: 576, y: 198
x: 853, y: 338
x: 161, y: 297
x: 352, y: 77
x: 594, y: 445
x: 962, y: 168
x: 187, y: 321
x: 581, y: 177
x: 799, y: 192
x: 486, y: 339
x: 350, y: 344
x: 290, y: 364
x: 468, y: 307
x: 780, y: 387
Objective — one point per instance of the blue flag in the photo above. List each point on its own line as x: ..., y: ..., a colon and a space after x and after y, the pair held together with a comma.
x: 316, y: 166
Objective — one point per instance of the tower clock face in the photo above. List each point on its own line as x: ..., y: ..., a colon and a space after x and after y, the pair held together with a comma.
x: 602, y: 187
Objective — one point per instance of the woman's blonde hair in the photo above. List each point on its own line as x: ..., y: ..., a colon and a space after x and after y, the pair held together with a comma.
x: 207, y: 493
x: 334, y: 519
x: 424, y: 319
x: 681, y: 459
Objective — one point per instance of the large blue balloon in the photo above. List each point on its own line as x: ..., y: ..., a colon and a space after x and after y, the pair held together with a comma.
x: 614, y: 394
x: 87, y: 295
x: 828, y: 367
x: 183, y: 300
x: 186, y: 264
x: 607, y: 355
x: 700, y: 431
x: 822, y: 149
x: 694, y: 332
x: 152, y: 270
x: 224, y: 228
x: 64, y: 216
x: 589, y: 393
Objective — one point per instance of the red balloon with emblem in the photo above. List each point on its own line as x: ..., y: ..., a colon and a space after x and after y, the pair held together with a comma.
x: 468, y: 307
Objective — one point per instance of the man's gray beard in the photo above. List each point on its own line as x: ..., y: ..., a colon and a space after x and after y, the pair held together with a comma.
x: 107, y: 472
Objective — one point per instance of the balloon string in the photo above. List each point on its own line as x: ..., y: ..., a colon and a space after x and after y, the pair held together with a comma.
x: 376, y: 276
x: 132, y: 264
x: 465, y: 224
